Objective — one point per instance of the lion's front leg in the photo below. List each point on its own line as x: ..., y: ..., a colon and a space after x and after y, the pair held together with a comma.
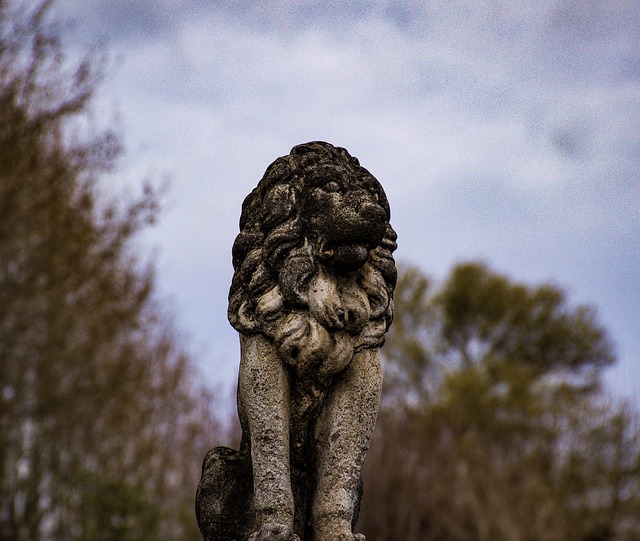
x: 263, y: 401
x: 343, y: 434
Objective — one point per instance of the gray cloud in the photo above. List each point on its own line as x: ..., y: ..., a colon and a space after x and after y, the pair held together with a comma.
x: 503, y: 131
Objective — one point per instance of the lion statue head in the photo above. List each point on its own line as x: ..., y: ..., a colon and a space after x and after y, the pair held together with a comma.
x: 313, y: 262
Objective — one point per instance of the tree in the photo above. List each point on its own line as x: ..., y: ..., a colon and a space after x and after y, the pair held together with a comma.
x: 495, y: 424
x: 478, y: 316
x: 102, y: 426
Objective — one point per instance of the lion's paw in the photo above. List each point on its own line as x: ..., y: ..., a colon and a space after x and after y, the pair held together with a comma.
x: 274, y: 531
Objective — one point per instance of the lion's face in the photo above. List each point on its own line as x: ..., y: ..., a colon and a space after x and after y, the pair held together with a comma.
x: 343, y: 220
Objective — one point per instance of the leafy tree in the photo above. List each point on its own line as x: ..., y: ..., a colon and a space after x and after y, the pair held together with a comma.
x: 102, y: 426
x: 495, y: 425
x: 478, y: 316
x: 485, y: 315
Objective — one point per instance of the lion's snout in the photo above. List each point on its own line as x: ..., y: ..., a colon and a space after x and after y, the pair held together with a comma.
x: 362, y: 222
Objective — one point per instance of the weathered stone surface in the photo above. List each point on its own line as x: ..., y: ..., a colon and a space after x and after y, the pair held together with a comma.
x: 312, y: 299
x: 224, y: 508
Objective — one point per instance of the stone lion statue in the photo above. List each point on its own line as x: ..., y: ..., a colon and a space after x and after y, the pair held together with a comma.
x: 311, y: 297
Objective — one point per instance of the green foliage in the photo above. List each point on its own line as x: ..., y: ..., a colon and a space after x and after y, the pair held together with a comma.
x: 495, y: 425
x: 480, y: 317
x: 486, y: 315
x: 114, y: 510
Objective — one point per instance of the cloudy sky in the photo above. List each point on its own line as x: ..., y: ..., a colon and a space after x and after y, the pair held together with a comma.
x: 507, y: 132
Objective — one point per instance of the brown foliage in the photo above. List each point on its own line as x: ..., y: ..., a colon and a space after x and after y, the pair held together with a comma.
x: 102, y: 427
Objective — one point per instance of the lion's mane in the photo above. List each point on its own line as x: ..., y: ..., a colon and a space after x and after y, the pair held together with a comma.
x: 273, y: 260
